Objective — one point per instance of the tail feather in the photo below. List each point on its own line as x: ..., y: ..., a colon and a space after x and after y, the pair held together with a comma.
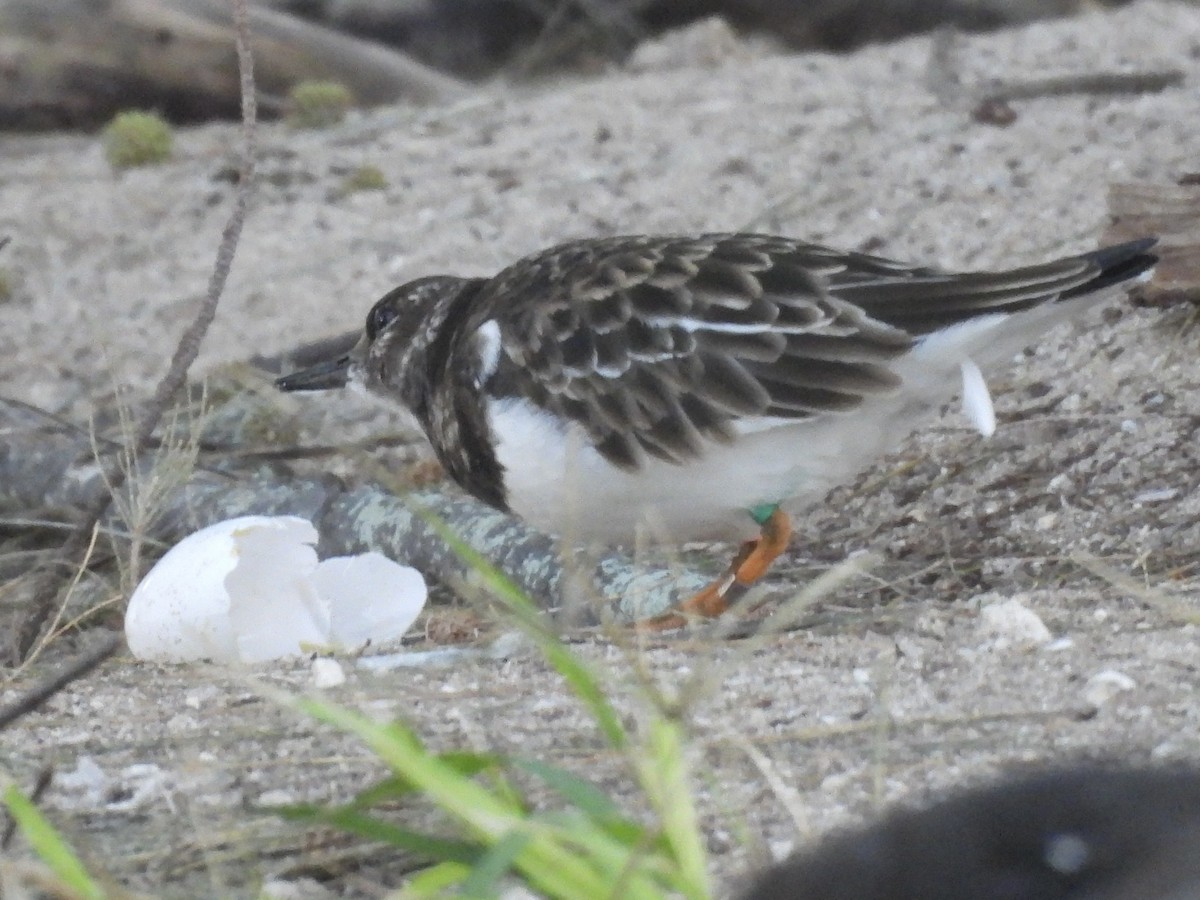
x: 925, y: 301
x: 989, y: 335
x: 1118, y: 263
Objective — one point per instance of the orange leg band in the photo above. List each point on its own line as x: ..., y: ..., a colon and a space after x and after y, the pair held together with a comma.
x: 751, y: 563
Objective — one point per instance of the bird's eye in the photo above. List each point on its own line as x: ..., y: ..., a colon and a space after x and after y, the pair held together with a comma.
x: 380, y: 315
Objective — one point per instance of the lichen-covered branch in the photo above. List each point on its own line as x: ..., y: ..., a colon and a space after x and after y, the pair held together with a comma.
x: 44, y: 463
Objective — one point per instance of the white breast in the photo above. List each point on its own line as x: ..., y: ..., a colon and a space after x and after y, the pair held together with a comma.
x: 557, y: 482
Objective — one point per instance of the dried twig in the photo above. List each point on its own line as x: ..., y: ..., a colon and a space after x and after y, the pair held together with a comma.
x: 75, y: 669
x: 1169, y: 606
x: 988, y: 100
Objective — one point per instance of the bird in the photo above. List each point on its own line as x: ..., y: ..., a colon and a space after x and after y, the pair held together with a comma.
x: 1088, y: 831
x: 697, y: 387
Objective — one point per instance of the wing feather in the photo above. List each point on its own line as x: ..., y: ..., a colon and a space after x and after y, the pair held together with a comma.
x: 656, y: 345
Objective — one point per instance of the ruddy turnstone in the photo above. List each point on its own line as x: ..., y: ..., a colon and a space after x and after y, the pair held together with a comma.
x: 704, y: 385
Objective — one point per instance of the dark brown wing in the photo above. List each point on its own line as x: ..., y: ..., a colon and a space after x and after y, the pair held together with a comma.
x: 657, y: 344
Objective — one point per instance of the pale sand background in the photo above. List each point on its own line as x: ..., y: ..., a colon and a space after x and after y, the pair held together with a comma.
x: 1098, y: 423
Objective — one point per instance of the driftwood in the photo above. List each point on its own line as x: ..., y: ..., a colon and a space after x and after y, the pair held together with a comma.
x: 48, y: 464
x: 76, y: 63
x: 1172, y: 212
x: 989, y: 99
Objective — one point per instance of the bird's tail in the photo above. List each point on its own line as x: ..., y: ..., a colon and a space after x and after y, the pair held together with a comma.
x: 1116, y: 264
x: 987, y: 323
x: 926, y: 301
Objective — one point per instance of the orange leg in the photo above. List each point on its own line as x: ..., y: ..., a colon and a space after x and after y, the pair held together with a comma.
x: 750, y: 564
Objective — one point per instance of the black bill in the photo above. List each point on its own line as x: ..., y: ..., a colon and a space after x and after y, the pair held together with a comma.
x: 323, y: 376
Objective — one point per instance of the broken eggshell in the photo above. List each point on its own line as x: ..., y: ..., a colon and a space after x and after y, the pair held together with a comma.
x: 250, y: 589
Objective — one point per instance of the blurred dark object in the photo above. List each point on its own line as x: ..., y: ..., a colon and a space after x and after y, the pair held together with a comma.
x: 993, y: 111
x: 1089, y: 833
x: 75, y: 63
x: 468, y: 37
x: 477, y: 37
x: 1171, y: 211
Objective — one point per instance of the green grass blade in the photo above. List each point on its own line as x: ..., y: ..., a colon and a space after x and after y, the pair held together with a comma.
x: 623, y: 831
x: 49, y: 845
x: 471, y: 762
x: 663, y: 774
x: 436, y: 881
x: 355, y: 822
x: 579, y: 792
x: 484, y: 880
x: 386, y: 790
x: 396, y: 787
x: 580, y: 678
x: 660, y: 763
x: 547, y: 864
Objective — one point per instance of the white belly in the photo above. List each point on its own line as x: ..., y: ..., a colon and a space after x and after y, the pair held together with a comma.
x: 559, y: 484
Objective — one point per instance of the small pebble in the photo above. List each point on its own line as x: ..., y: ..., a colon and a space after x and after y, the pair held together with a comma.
x: 1012, y: 623
x: 1103, y: 686
x: 327, y: 673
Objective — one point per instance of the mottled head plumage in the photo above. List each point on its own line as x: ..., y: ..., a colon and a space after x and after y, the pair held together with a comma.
x: 402, y: 332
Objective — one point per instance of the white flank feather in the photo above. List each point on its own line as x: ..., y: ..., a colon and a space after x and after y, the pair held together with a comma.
x: 977, y: 400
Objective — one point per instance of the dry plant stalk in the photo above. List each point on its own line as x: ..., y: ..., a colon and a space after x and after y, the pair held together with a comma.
x: 149, y: 487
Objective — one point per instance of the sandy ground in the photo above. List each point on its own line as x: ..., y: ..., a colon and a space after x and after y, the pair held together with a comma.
x: 902, y: 691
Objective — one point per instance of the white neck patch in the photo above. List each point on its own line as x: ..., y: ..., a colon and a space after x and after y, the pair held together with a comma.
x: 487, y: 345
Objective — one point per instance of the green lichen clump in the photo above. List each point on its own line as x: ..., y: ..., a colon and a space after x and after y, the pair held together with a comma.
x: 365, y: 178
x: 135, y: 138
x: 318, y: 104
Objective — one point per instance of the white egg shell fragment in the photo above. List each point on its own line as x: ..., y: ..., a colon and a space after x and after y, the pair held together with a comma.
x: 251, y: 589
x: 370, y: 598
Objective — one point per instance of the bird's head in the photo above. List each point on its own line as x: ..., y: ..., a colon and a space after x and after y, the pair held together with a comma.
x: 404, y: 330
